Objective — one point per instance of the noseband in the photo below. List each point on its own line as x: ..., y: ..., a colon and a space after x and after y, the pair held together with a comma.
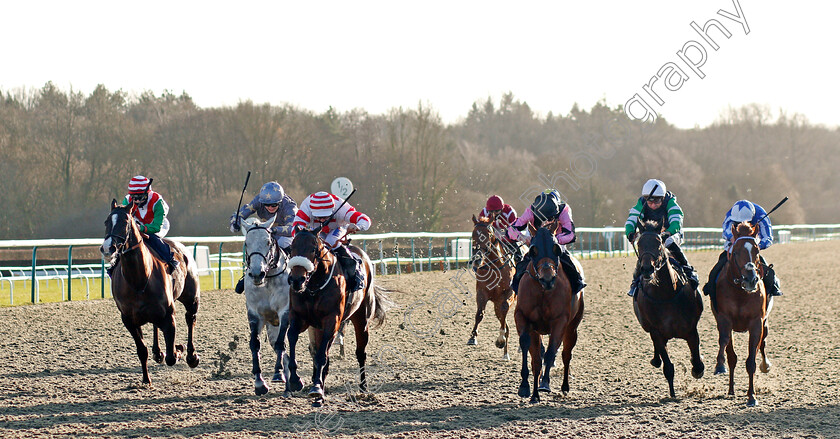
x: 273, y: 257
x: 757, y: 267
x: 657, y: 257
x: 319, y: 260
x: 123, y: 240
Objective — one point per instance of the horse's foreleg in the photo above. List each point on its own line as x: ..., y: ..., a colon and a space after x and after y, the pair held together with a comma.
x: 524, y: 346
x: 660, y: 344
x: 765, y: 363
x: 480, y: 303
x: 569, y: 342
x: 536, y: 364
x: 501, y: 309
x: 554, y: 339
x: 255, y: 323
x: 697, y: 366
x: 157, y: 355
x: 168, y: 330
x: 362, y: 337
x: 190, y: 316
x: 756, y: 336
x: 142, y: 350
x: 281, y: 373
x: 733, y: 360
x: 294, y: 383
x: 330, y: 325
x: 724, y: 337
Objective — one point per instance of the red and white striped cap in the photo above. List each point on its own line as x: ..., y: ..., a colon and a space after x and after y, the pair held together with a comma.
x: 322, y: 204
x: 138, y: 184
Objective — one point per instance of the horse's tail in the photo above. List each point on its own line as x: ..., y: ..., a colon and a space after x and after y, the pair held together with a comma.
x: 382, y: 304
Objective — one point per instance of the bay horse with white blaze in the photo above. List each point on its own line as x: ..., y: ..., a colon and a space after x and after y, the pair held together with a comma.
x: 319, y: 299
x: 493, y: 272
x: 665, y: 304
x: 546, y: 305
x: 742, y: 304
x: 145, y: 291
x: 266, y: 297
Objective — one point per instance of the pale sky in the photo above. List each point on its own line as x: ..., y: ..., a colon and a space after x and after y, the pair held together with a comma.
x: 377, y: 55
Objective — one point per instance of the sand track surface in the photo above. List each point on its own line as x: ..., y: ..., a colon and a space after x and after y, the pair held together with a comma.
x: 70, y: 370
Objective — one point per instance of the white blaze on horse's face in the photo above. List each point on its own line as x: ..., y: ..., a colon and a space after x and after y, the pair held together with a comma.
x: 108, y: 242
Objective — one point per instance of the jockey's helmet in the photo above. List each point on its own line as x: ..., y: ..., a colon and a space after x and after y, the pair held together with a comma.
x: 554, y: 193
x: 494, y: 203
x: 271, y: 193
x: 653, y: 188
x: 321, y: 204
x: 743, y: 210
x: 545, y: 207
x: 138, y: 185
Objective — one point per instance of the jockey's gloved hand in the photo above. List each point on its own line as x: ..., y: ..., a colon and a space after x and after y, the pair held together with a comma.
x: 632, y: 237
x: 234, y: 224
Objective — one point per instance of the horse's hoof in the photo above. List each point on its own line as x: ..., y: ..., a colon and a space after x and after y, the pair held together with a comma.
x: 524, y: 391
x: 158, y: 357
x: 751, y: 402
x: 565, y: 389
x: 295, y: 384
x: 170, y: 361
x: 287, y: 394
x: 506, y: 357
x: 656, y: 362
x: 278, y: 378
x: 261, y: 390
x: 180, y: 349
x: 318, y: 402
x: 316, y: 391
x: 764, y: 367
x: 536, y: 398
x: 545, y: 388
x: 720, y: 370
x: 697, y: 373
x: 500, y: 344
x: 471, y: 342
x: 192, y: 360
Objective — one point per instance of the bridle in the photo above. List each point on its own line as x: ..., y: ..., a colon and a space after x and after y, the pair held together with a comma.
x: 272, y: 259
x: 751, y: 265
x: 320, y: 259
x: 485, y: 249
x: 551, y: 262
x: 658, y: 257
x: 124, y: 239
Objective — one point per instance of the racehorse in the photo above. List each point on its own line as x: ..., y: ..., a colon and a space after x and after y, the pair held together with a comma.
x: 144, y: 290
x: 546, y: 305
x: 266, y: 296
x: 319, y: 299
x: 742, y: 305
x: 665, y: 304
x: 493, y: 277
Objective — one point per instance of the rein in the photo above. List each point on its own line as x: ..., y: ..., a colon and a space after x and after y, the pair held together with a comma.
x: 274, y: 253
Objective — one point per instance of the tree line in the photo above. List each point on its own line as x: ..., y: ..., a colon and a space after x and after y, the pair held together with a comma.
x: 64, y: 155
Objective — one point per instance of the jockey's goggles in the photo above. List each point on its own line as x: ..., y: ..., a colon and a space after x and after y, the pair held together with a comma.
x: 138, y: 197
x: 653, y: 199
x: 271, y: 205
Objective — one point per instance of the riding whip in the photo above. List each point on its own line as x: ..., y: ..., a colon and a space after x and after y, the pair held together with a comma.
x: 772, y: 210
x: 238, y: 206
x: 339, y: 208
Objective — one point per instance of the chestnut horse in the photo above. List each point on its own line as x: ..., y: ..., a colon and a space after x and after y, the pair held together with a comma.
x: 546, y: 305
x: 319, y: 299
x: 145, y: 291
x: 665, y: 304
x: 742, y: 305
x: 493, y: 274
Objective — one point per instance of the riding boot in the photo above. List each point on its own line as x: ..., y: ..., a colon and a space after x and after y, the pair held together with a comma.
x: 771, y: 282
x: 687, y: 269
x: 709, y: 288
x: 634, y: 284
x: 521, y: 267
x: 348, y: 263
x: 240, y: 286
x: 575, y: 278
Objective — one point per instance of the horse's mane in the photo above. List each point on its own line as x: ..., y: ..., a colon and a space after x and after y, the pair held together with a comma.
x: 744, y: 229
x: 651, y: 226
x: 484, y: 220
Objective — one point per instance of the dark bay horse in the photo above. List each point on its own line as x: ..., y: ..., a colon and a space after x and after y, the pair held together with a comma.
x: 319, y: 299
x: 144, y: 290
x: 742, y: 305
x: 493, y: 274
x: 665, y: 304
x: 546, y: 305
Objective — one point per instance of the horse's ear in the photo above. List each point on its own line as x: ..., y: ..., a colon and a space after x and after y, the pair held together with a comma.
x: 734, y: 229
x: 754, y: 232
x: 475, y: 221
x: 244, y: 229
x: 532, y: 230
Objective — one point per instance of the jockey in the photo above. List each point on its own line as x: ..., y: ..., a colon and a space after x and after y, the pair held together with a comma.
x: 315, y: 209
x: 150, y: 212
x: 657, y: 204
x: 271, y: 201
x: 547, y: 208
x: 744, y: 210
x: 502, y: 215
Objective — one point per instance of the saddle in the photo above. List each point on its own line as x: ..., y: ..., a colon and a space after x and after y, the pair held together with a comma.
x: 682, y: 276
